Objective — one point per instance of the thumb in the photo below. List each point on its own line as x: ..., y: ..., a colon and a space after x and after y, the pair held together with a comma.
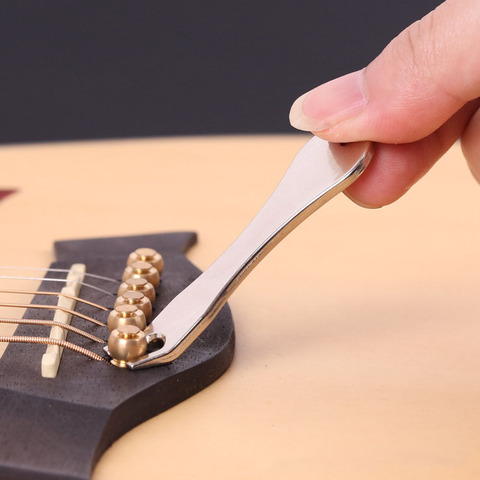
x: 413, y: 87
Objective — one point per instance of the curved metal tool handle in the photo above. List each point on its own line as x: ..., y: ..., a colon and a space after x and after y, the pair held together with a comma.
x: 319, y: 171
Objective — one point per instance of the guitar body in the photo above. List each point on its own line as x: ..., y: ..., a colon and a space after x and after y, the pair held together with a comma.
x: 58, y: 428
x: 358, y: 337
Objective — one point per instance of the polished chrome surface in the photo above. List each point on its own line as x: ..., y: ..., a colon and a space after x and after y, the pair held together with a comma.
x: 319, y: 172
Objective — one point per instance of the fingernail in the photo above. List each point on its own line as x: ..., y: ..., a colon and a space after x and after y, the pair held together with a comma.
x: 329, y: 104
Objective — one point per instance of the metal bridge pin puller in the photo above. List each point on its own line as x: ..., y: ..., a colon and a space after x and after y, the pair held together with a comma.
x: 142, y: 270
x: 319, y: 171
x: 147, y: 255
x: 126, y: 343
x: 126, y: 315
x: 138, y: 299
x: 138, y: 285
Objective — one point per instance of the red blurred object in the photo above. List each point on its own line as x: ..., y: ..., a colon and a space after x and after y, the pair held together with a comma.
x: 6, y: 193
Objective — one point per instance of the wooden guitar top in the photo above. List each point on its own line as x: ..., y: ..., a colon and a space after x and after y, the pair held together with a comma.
x: 361, y: 364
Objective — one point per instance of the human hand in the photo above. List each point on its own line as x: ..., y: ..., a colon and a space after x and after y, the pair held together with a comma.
x: 415, y: 99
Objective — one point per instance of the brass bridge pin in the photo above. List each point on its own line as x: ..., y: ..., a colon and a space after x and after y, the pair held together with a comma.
x: 142, y: 270
x: 138, y: 285
x: 147, y: 255
x: 138, y: 299
x: 126, y: 315
x: 126, y: 343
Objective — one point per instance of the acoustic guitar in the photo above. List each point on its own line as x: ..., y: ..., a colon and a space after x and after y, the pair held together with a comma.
x: 356, y: 343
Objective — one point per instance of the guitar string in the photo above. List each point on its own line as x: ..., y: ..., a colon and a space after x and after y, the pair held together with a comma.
x: 53, y: 307
x: 61, y: 280
x: 52, y: 323
x: 54, y: 341
x: 47, y: 340
x: 61, y: 270
x: 59, y: 294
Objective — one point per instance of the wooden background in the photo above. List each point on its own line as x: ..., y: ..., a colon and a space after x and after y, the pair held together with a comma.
x: 357, y: 338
